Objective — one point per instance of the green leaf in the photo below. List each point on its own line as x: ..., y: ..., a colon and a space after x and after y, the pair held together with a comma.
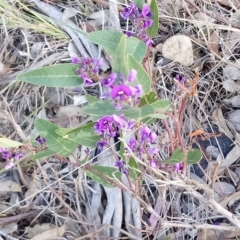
x: 54, y: 142
x: 8, y: 143
x: 108, y: 39
x: 158, y: 116
x: 110, y: 172
x: 136, y: 48
x: 152, y: 31
x: 142, y: 76
x: 44, y: 154
x: 194, y: 156
x: 91, y: 99
x: 139, y: 3
x: 133, y: 168
x: 139, y: 113
x: 100, y: 109
x: 177, y: 157
x: 162, y: 105
x: 148, y: 98
x: 59, y: 75
x: 83, y: 135
x: 120, y: 58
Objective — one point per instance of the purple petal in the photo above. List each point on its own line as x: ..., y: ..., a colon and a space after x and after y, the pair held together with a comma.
x: 18, y: 156
x: 153, y: 151
x: 120, y: 120
x: 153, y: 163
x: 145, y: 132
x: 139, y: 91
x: 146, y: 11
x: 132, y: 75
x: 132, y: 143
x: 9, y: 165
x: 75, y: 60
x: 88, y: 81
x: 110, y: 80
x: 121, y: 91
x: 147, y: 23
x: 118, y: 164
x: 153, y: 137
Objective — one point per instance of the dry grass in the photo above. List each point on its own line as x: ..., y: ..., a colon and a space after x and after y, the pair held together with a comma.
x: 58, y: 193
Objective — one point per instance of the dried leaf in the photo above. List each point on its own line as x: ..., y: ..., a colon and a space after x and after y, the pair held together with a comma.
x: 224, y: 189
x: 202, y: 19
x: 234, y: 120
x: 179, y: 48
x: 68, y: 13
x: 46, y: 232
x: 79, y: 100
x: 233, y: 197
x: 214, y: 40
x: 9, y: 186
x: 212, y: 151
x: 196, y: 133
x: 232, y: 157
x: 230, y: 72
x: 221, y: 122
x: 100, y: 18
x: 212, y: 234
x: 232, y: 40
x: 67, y: 111
x: 177, y: 4
x: 234, y: 101
x: 232, y: 175
x: 230, y: 86
x: 9, y: 228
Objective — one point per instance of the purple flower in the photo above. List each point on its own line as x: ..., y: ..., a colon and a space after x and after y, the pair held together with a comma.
x: 153, y: 163
x: 119, y: 164
x: 146, y: 11
x: 139, y: 90
x: 149, y: 42
x: 145, y: 132
x: 75, y: 60
x: 152, y: 151
x: 87, y: 80
x: 18, y: 156
x: 128, y: 33
x: 88, y: 68
x: 153, y: 137
x: 180, y: 78
x: 132, y: 75
x: 41, y: 141
x: 6, y: 154
x: 129, y: 11
x: 178, y: 167
x: 100, y: 145
x: 87, y: 151
x: 119, y: 120
x: 132, y: 143
x: 110, y: 80
x: 9, y: 165
x: 147, y: 23
x: 121, y: 91
x: 125, y: 170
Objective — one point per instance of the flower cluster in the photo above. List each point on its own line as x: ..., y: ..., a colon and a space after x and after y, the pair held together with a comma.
x: 88, y: 69
x: 141, y: 20
x: 119, y: 90
x: 10, y: 156
x: 143, y: 145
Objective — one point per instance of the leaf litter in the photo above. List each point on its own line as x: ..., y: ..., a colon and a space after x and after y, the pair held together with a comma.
x: 205, y: 28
